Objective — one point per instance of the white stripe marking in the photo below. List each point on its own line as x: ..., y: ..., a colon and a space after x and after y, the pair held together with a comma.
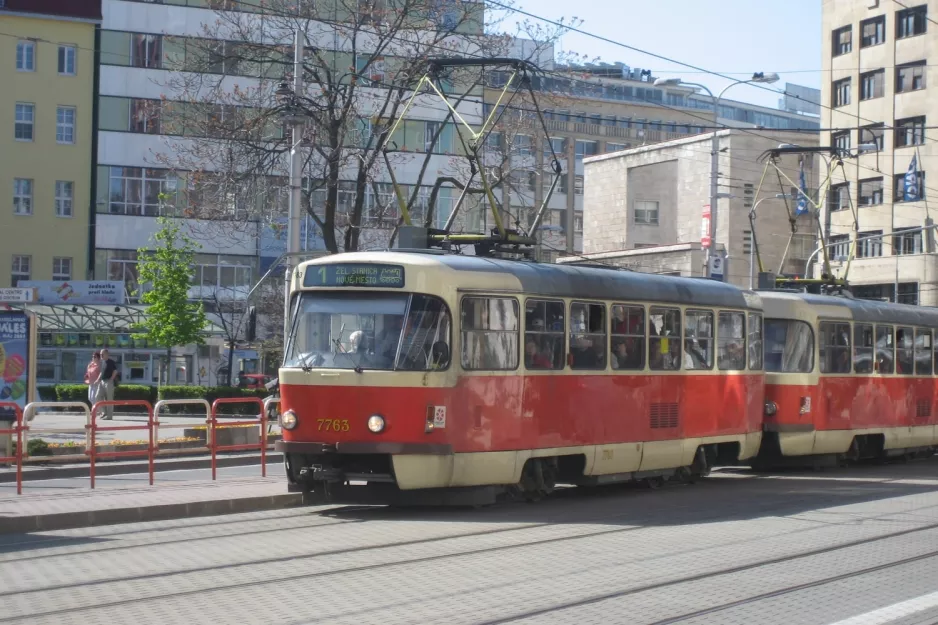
x: 893, y: 612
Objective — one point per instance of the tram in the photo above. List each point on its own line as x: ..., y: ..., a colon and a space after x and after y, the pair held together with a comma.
x: 847, y: 378
x: 423, y: 376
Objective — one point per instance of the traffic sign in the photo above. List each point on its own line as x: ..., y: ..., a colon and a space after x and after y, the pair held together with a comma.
x: 717, y: 267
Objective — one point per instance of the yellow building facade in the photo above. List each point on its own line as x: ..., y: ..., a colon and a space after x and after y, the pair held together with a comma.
x: 46, y: 139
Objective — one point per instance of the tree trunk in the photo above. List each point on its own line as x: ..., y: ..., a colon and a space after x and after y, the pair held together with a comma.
x: 231, y: 349
x: 169, y: 363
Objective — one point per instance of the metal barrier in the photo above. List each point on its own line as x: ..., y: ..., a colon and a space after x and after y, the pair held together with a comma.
x: 261, y: 421
x: 92, y: 450
x: 16, y: 431
x: 30, y: 413
x: 267, y: 403
x: 181, y: 402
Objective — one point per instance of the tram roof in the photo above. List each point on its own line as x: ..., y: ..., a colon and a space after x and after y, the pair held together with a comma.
x: 570, y: 280
x: 870, y: 311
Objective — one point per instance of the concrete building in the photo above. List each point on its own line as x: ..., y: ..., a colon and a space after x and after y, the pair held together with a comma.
x: 644, y: 206
x: 880, y: 101
x: 48, y: 72
x: 598, y: 109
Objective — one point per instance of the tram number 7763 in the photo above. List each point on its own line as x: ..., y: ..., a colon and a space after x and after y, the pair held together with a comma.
x: 333, y: 425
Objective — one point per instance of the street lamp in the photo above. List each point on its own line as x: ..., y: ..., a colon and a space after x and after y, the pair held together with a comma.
x: 758, y: 77
x: 752, y: 220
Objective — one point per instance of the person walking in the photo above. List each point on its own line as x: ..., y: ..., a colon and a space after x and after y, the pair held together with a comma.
x: 93, y: 378
x: 107, y: 381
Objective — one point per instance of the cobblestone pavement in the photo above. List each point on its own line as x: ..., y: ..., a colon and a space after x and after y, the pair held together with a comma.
x: 799, y: 548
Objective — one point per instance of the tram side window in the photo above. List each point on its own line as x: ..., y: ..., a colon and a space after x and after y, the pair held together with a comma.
x: 905, y: 360
x: 544, y: 332
x: 588, y: 335
x: 885, y: 354
x: 698, y: 339
x: 789, y: 346
x: 664, y: 339
x: 835, y: 347
x: 731, y: 341
x: 628, y: 337
x: 489, y: 333
x: 923, y: 351
x: 755, y: 342
x: 863, y: 348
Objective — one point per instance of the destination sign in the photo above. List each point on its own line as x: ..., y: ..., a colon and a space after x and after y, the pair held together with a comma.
x: 355, y: 274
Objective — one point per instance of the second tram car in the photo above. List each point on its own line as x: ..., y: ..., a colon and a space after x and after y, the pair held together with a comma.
x: 417, y: 373
x: 847, y: 378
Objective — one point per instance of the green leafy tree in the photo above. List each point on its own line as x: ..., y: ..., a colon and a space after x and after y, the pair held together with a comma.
x: 172, y: 319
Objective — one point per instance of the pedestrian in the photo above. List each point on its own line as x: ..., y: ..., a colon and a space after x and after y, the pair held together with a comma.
x: 107, y: 381
x: 93, y: 378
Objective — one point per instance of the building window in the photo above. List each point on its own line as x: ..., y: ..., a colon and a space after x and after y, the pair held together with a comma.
x: 554, y: 147
x: 843, y: 40
x: 64, y: 195
x: 25, y: 119
x: 20, y: 270
x: 67, y: 56
x: 61, y: 268
x: 136, y: 191
x: 910, y: 77
x: 911, y: 21
x: 871, y: 192
x: 840, y: 196
x: 524, y: 145
x: 873, y: 31
x: 578, y: 185
x: 22, y: 196
x: 841, y: 140
x: 145, y: 116
x: 65, y: 124
x: 646, y: 213
x: 146, y: 51
x: 614, y: 147
x: 906, y: 241
x: 910, y: 131
x: 841, y: 92
x: 838, y: 247
x: 870, y: 244
x: 585, y: 149
x: 873, y: 134
x: 916, y: 191
x: 26, y: 56
x: 871, y: 84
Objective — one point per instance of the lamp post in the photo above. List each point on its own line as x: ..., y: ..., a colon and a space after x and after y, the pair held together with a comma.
x: 293, y: 117
x: 757, y: 77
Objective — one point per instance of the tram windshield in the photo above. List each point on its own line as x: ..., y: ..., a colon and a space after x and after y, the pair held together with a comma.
x: 383, y: 331
x: 789, y: 346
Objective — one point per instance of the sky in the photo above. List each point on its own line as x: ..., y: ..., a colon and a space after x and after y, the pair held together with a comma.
x: 733, y: 37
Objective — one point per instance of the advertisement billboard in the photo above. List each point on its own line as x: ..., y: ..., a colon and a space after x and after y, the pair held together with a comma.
x: 800, y: 99
x: 17, y: 366
x: 77, y: 291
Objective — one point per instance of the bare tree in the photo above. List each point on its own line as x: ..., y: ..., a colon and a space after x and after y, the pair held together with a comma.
x: 362, y: 63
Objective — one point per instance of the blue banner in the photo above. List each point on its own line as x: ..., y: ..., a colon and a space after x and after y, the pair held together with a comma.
x: 911, y: 190
x: 14, y: 359
x: 803, y: 196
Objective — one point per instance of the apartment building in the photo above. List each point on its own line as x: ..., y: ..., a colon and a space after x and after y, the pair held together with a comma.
x: 878, y: 107
x: 599, y: 109
x: 47, y: 151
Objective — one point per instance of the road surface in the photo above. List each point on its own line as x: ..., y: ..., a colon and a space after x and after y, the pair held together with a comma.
x: 845, y: 547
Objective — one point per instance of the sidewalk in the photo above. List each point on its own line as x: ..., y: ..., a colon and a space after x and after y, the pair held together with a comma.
x: 63, y: 508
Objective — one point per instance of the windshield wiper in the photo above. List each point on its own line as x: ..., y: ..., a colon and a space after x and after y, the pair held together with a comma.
x: 355, y: 360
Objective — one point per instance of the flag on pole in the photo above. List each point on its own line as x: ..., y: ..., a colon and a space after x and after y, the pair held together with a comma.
x: 911, y: 191
x: 803, y: 196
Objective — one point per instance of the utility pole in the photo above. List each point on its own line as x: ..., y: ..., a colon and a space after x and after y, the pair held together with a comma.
x: 296, y: 172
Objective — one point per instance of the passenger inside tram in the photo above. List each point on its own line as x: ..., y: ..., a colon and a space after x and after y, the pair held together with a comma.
x: 534, y: 355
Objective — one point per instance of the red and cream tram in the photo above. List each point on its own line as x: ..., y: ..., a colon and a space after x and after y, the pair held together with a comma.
x: 847, y: 378
x: 430, y: 374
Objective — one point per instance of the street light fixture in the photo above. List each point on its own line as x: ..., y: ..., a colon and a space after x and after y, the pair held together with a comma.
x: 757, y: 77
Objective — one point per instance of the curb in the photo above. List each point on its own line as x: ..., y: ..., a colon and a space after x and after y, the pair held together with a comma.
x: 104, y: 468
x: 139, y: 514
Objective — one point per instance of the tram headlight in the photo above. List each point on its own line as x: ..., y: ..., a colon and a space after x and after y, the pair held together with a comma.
x: 770, y: 408
x: 376, y: 423
x: 288, y: 420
